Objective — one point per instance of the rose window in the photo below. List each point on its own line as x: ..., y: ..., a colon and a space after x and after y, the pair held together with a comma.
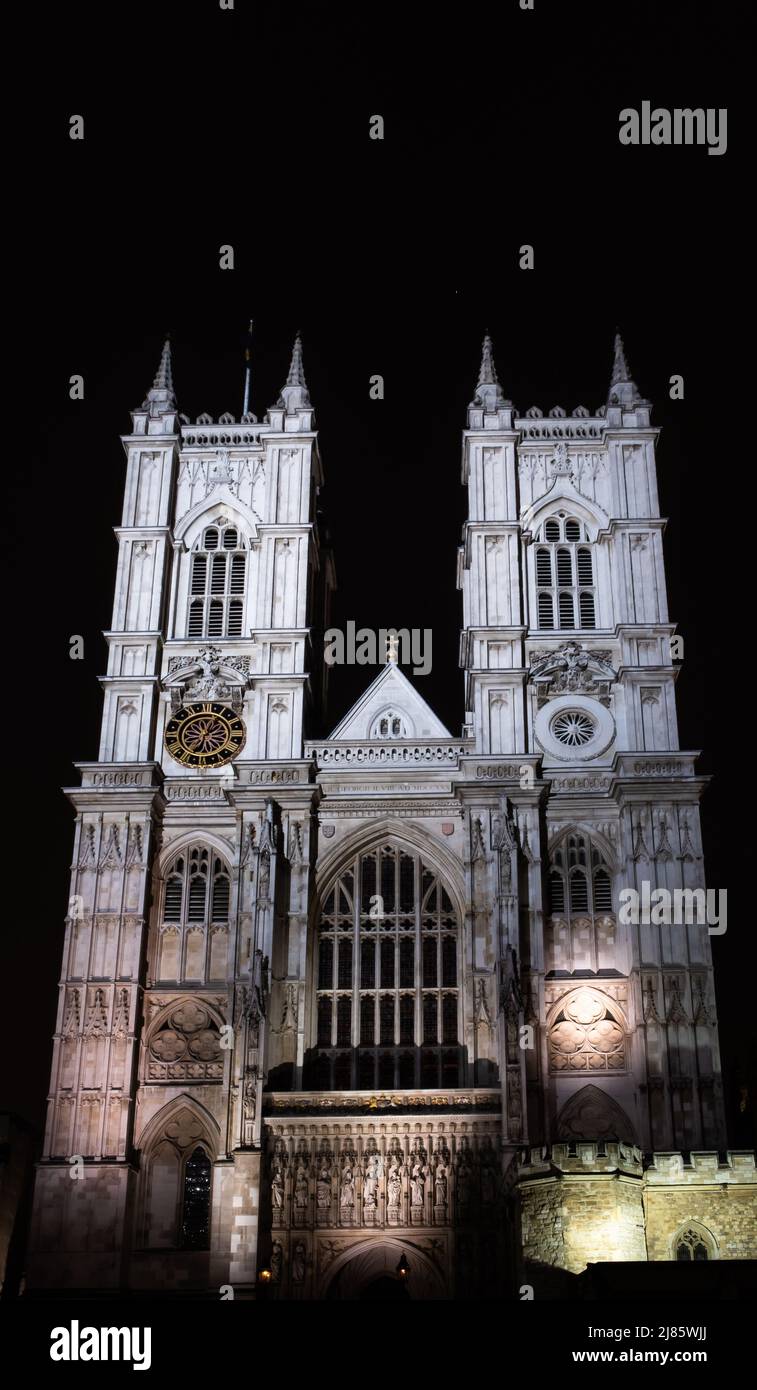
x: 573, y: 727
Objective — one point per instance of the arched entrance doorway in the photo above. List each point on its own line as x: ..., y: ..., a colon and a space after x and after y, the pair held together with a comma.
x: 385, y: 1290
x: 368, y: 1271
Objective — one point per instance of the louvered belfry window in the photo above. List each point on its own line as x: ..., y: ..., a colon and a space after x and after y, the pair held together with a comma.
x: 581, y: 927
x: 197, y: 888
x: 565, y: 579
x: 579, y: 879
x: 217, y: 584
x: 387, y: 986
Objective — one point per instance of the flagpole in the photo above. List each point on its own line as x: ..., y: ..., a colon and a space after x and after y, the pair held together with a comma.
x: 246, y: 403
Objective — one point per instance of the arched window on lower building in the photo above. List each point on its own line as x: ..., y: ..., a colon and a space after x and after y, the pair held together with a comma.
x: 693, y: 1243
x: 386, y: 977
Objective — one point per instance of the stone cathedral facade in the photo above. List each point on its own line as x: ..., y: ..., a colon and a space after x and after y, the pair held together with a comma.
x: 350, y: 1009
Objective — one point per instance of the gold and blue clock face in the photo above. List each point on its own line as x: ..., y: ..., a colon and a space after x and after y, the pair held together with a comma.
x: 204, y: 735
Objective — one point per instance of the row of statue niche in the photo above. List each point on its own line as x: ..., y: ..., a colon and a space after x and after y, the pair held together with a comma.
x: 393, y: 1166
x: 299, y: 1261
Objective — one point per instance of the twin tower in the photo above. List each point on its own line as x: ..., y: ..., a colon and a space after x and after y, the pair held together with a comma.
x: 337, y: 1007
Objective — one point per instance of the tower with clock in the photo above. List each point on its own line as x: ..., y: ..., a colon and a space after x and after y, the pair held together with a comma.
x: 171, y: 965
x: 337, y: 1009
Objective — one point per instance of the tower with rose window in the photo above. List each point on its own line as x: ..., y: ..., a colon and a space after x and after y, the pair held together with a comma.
x: 337, y: 1006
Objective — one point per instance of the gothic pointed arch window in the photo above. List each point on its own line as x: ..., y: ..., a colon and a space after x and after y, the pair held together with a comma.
x: 581, y: 925
x: 217, y: 582
x: 564, y: 574
x: 194, y: 916
x: 390, y: 723
x: 387, y: 978
x: 176, y: 1184
x: 693, y: 1243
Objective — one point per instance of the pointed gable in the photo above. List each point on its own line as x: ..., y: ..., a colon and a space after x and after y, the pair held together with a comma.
x: 393, y: 698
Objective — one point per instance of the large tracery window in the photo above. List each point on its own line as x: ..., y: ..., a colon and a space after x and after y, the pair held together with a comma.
x: 387, y: 994
x: 217, y: 584
x: 565, y: 593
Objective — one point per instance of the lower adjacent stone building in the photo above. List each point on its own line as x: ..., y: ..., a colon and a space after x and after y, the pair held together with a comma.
x: 389, y: 1009
x: 584, y: 1202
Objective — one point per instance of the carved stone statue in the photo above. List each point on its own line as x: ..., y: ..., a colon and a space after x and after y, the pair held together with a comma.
x: 418, y: 1182
x: 249, y: 1105
x: 301, y: 1188
x: 347, y: 1200
x: 250, y: 1099
x: 299, y: 1259
x: 277, y: 1187
x: 208, y: 683
x: 264, y: 876
x: 277, y: 1261
x: 374, y: 1172
x: 481, y: 1006
x: 323, y: 1188
x: 259, y: 974
x: 560, y: 466
x: 394, y: 1184
x: 440, y: 1184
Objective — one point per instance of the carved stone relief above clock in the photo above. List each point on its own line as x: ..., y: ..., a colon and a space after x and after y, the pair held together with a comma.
x: 572, y: 668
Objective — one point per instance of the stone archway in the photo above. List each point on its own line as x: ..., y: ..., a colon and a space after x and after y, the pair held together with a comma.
x: 592, y: 1114
x: 368, y: 1271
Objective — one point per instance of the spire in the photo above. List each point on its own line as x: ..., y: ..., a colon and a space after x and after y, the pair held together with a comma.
x: 161, y: 395
x: 488, y: 373
x: 163, y: 378
x: 488, y: 390
x: 623, y: 388
x: 620, y: 370
x: 296, y: 373
x: 294, y: 396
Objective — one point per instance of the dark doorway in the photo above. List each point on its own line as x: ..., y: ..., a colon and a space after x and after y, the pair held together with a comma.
x: 384, y: 1288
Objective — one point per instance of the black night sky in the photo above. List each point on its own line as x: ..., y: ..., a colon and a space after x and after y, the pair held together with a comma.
x: 205, y: 127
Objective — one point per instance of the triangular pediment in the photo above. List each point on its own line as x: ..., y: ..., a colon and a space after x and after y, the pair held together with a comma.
x: 390, y: 698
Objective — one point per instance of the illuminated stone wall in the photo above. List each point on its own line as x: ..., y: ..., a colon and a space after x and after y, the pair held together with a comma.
x: 716, y: 1199
x: 586, y: 1203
